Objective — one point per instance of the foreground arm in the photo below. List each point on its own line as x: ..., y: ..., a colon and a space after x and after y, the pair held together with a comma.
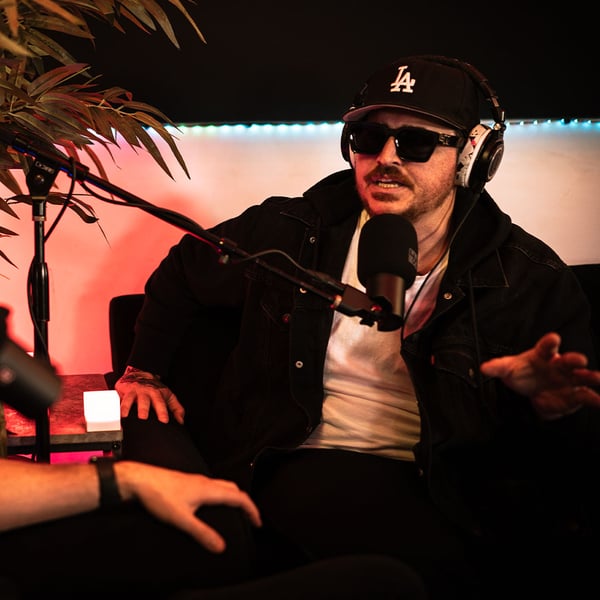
x: 147, y: 390
x: 35, y: 492
x: 557, y: 384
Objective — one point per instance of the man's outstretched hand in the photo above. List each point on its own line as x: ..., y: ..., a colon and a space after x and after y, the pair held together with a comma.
x: 557, y: 384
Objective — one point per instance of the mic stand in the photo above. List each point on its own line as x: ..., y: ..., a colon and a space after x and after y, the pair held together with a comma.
x: 343, y: 298
x: 39, y: 180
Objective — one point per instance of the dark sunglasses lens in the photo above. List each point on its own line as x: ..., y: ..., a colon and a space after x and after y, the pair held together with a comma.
x: 412, y: 144
x: 416, y: 145
x: 368, y: 138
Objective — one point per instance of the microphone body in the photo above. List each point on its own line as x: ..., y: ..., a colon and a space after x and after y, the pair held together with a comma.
x: 387, y: 265
x: 28, y: 384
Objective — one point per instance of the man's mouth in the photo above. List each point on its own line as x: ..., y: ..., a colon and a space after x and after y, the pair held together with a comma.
x: 386, y: 179
x: 386, y: 183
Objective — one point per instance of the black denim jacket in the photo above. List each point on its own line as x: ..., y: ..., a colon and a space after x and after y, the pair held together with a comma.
x: 488, y: 460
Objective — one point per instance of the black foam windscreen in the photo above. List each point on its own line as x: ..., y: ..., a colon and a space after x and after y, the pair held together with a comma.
x: 387, y: 265
x: 28, y: 384
x: 387, y: 244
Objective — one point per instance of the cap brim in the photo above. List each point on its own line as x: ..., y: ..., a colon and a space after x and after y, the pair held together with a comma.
x: 358, y: 114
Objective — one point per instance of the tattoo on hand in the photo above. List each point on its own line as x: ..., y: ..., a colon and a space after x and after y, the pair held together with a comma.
x: 143, y: 381
x: 133, y: 375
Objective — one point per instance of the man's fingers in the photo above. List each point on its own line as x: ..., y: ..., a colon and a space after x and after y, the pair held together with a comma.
x: 496, y: 367
x: 231, y: 495
x: 143, y: 408
x: 127, y: 401
x: 125, y: 408
x: 176, y: 408
x: 574, y: 360
x: 151, y: 396
x: 548, y: 345
x: 211, y: 539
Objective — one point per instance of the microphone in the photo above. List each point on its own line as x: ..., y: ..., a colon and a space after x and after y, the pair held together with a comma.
x: 387, y: 265
x: 29, y: 385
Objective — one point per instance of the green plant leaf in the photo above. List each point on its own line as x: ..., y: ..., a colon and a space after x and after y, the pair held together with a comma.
x: 52, y: 78
x: 8, y: 259
x: 14, y: 47
x: 62, y: 106
x: 8, y: 180
x: 6, y: 232
x: 5, y: 206
x: 55, y: 8
x: 191, y: 21
x: 166, y: 136
x: 138, y: 9
x: 12, y: 17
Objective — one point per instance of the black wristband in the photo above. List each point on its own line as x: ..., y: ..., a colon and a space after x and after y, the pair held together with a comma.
x: 109, y: 490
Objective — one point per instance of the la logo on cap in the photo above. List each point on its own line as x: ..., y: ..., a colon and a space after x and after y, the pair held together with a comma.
x: 403, y: 81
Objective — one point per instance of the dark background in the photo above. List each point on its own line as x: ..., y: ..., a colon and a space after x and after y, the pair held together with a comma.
x: 280, y: 61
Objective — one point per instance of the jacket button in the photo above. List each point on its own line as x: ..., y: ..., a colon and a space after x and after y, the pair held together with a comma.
x: 447, y: 296
x: 299, y: 364
x: 312, y: 239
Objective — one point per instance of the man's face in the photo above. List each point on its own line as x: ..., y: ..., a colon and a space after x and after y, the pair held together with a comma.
x: 416, y: 190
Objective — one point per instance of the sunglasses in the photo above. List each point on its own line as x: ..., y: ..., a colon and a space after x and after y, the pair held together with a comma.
x: 413, y: 144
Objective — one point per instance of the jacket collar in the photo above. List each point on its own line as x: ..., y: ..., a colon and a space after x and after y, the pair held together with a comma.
x: 330, y: 201
x: 483, y: 226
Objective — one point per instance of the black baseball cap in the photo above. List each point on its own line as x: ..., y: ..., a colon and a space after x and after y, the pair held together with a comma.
x: 437, y: 87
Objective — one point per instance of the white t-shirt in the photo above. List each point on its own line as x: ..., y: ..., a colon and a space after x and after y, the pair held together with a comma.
x: 369, y: 403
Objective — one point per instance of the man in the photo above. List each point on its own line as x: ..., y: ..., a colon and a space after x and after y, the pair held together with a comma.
x: 457, y: 442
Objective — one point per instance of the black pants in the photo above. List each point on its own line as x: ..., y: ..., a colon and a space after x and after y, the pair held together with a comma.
x: 324, y: 503
x: 330, y: 503
x: 319, y: 504
x: 124, y: 551
x: 358, y: 577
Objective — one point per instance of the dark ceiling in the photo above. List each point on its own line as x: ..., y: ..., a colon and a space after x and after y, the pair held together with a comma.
x: 269, y: 61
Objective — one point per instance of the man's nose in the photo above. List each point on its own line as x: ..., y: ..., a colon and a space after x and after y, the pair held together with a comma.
x: 388, y: 153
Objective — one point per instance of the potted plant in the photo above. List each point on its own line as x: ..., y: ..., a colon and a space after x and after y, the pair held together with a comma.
x: 48, y: 96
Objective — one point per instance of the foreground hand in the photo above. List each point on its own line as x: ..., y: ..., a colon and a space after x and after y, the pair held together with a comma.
x: 146, y: 390
x: 174, y: 497
x: 557, y: 384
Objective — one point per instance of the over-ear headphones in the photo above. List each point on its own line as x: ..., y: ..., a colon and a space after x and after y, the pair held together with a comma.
x: 482, y: 153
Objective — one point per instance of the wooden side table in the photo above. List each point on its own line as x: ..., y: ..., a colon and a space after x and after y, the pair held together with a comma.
x: 67, y: 422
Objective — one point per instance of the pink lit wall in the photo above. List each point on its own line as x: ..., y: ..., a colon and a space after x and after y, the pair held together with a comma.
x: 548, y: 182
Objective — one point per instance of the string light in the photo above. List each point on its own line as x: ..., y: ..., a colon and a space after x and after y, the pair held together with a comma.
x: 312, y: 128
